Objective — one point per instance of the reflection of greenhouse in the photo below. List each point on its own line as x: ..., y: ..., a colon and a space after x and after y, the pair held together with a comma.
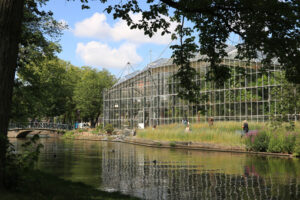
x: 148, y: 97
x: 132, y: 171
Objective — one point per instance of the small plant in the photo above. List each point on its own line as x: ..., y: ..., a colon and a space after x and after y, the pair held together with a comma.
x: 159, y: 144
x: 69, y: 135
x: 82, y: 130
x: 172, y: 144
x: 109, y: 128
x: 297, y: 146
x: 19, y: 163
x: 99, y: 128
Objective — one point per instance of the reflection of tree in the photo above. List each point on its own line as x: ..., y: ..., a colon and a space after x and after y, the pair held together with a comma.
x: 74, y: 160
x: 54, y: 159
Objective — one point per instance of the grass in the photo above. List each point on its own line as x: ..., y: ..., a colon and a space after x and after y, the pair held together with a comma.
x: 81, y: 130
x: 95, y: 132
x: 41, y: 186
x: 68, y: 135
x: 226, y: 133
x: 222, y: 133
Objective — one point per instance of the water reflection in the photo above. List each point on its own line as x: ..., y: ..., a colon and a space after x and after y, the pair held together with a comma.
x: 134, y: 173
x: 153, y: 173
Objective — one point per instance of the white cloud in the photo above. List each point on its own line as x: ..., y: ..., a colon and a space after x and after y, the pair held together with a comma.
x: 94, y: 27
x: 98, y: 54
x: 97, y: 27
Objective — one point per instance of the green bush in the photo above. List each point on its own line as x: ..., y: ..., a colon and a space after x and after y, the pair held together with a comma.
x: 82, y: 130
x: 172, y: 144
x: 257, y: 141
x: 95, y: 132
x: 159, y: 144
x: 109, y: 128
x: 19, y: 163
x: 289, y: 142
x: 282, y: 143
x: 69, y: 135
x: 276, y: 144
x: 297, y: 146
x: 99, y: 128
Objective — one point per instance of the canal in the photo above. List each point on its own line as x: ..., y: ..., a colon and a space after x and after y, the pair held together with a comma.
x: 155, y: 173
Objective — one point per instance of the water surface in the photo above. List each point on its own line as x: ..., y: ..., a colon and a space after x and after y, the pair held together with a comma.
x: 155, y: 173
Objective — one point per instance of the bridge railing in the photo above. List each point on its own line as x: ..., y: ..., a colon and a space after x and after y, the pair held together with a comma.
x: 39, y: 125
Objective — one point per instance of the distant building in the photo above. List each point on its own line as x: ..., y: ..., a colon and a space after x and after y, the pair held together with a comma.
x: 149, y: 97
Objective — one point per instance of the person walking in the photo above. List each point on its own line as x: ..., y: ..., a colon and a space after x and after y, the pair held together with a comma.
x: 245, y: 127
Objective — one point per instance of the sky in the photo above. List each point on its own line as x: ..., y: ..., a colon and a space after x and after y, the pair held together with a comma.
x: 95, y: 39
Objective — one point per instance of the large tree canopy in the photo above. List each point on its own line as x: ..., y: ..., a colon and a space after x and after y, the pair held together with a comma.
x: 268, y: 30
x: 88, y: 94
x: 37, y: 50
x: 45, y: 91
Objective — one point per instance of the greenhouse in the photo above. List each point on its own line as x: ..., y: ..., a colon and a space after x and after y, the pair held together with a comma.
x: 149, y: 97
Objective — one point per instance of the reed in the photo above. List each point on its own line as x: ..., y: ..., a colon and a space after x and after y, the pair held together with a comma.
x: 226, y: 133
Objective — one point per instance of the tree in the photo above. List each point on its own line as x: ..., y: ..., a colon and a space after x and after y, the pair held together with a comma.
x: 89, y: 93
x: 288, y: 99
x: 10, y: 25
x: 29, y: 36
x: 45, y: 90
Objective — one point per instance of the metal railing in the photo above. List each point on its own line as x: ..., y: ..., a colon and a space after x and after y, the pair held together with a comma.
x: 40, y: 125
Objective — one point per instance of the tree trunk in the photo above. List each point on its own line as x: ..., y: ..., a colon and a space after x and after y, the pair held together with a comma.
x: 11, y: 12
x: 93, y: 123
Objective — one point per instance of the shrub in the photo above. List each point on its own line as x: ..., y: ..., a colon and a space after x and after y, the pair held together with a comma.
x: 109, y: 128
x: 82, y: 130
x: 99, y: 128
x: 172, y: 144
x: 69, y: 135
x: 257, y: 141
x: 19, y: 163
x: 159, y: 144
x: 276, y: 144
x: 282, y: 143
x: 289, y: 142
x: 297, y: 146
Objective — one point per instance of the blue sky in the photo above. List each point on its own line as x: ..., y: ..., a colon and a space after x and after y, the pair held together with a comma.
x: 96, y: 40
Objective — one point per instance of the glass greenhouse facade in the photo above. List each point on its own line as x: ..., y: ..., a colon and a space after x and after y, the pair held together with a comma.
x: 149, y: 97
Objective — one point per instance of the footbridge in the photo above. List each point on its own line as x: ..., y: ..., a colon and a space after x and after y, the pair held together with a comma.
x: 22, y: 129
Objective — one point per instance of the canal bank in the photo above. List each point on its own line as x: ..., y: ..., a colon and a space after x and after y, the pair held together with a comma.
x: 200, y: 146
